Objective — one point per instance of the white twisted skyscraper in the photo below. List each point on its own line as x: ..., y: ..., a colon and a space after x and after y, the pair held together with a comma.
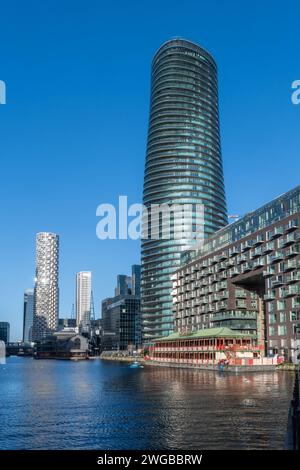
x: 83, y: 300
x: 46, y: 294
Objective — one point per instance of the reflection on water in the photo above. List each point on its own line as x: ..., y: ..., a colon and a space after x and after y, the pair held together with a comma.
x: 104, y: 405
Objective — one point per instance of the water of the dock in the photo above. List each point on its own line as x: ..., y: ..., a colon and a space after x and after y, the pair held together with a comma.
x: 52, y: 404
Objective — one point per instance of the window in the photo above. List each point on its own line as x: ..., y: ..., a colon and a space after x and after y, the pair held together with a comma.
x: 271, y: 330
x: 294, y: 315
x: 281, y: 330
x: 282, y: 317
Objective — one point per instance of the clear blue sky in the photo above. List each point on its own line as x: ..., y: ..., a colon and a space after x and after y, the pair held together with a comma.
x: 73, y: 132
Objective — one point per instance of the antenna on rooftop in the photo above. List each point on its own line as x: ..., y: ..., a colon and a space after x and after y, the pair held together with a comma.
x: 73, y: 311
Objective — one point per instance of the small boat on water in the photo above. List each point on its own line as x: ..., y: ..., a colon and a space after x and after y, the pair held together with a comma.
x: 136, y: 365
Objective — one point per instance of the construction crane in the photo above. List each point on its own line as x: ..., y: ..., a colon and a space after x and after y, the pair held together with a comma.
x: 234, y: 217
x: 73, y: 311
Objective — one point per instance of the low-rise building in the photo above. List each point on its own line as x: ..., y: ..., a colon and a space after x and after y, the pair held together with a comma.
x: 65, y: 344
x: 4, y: 331
x: 212, y: 346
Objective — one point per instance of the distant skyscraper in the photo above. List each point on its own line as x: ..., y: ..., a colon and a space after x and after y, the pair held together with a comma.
x: 28, y: 314
x: 123, y: 285
x: 121, y: 325
x: 136, y: 279
x: 46, y: 294
x: 183, y: 166
x: 4, y: 331
x: 83, y: 300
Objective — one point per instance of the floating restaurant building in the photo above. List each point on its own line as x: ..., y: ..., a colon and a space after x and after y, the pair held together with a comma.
x: 211, y: 346
x: 246, y: 277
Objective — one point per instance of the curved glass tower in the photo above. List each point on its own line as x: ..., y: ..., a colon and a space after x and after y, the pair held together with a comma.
x: 183, y: 166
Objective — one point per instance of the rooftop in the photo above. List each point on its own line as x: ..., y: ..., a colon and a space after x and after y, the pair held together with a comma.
x: 207, y: 333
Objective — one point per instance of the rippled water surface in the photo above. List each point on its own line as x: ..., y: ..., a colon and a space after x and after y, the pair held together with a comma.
x: 50, y: 404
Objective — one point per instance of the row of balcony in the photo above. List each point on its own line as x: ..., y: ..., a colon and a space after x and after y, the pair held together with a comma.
x: 287, y: 292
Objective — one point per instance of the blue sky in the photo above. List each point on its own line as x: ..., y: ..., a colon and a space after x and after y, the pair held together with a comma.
x: 73, y: 131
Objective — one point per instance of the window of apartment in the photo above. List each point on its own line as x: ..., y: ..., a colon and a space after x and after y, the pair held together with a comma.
x: 272, y: 318
x: 280, y: 304
x: 282, y: 317
x: 281, y: 330
x: 281, y: 291
x: 281, y: 267
x: 294, y: 315
x: 296, y: 302
x: 270, y: 306
x: 271, y: 330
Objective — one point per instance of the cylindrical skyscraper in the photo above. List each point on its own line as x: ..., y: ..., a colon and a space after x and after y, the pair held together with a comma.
x: 45, y: 319
x: 183, y: 166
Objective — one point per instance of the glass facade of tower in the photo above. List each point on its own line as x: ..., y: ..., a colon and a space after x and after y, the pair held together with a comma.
x: 183, y: 166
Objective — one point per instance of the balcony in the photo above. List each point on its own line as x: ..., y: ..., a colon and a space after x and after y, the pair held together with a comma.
x: 247, y: 245
x: 258, y: 263
x: 289, y: 239
x: 247, y: 267
x: 222, y: 285
x: 258, y: 240
x: 240, y: 294
x: 292, y: 251
x: 291, y: 264
x: 292, y: 290
x: 269, y: 247
x: 224, y: 295
x: 242, y: 258
x: 230, y: 263
x: 234, y: 272
x: 292, y: 225
x: 270, y: 295
x: 241, y: 304
x: 221, y: 305
x: 278, y: 256
x: 293, y: 277
x: 269, y: 272
x: 233, y: 251
x: 222, y: 266
x: 257, y: 252
x: 223, y: 256
x: 277, y: 281
x: 275, y: 233
x: 234, y: 314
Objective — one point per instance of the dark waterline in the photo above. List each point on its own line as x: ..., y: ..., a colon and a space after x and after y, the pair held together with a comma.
x: 50, y: 404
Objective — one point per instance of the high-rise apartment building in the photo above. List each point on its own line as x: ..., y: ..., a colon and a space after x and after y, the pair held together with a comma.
x: 246, y: 277
x: 83, y: 300
x: 46, y: 292
x: 28, y: 312
x: 183, y: 167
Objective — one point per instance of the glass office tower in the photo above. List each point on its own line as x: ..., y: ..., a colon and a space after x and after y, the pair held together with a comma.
x: 183, y: 166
